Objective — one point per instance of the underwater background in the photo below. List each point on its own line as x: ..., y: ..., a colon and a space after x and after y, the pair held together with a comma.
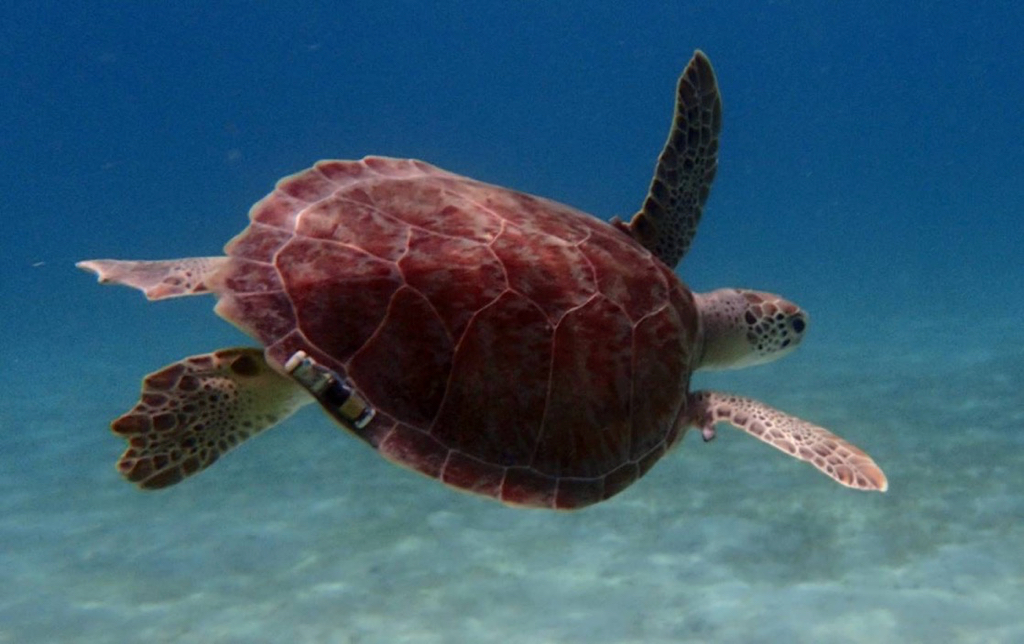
x: 870, y: 170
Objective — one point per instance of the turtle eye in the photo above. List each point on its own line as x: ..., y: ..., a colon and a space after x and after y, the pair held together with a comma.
x: 799, y: 324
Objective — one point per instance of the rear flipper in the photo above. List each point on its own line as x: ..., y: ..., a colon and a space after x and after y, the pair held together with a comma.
x: 159, y: 279
x: 842, y: 461
x: 193, y: 411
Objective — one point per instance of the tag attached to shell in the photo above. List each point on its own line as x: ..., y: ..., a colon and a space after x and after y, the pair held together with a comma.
x: 336, y: 396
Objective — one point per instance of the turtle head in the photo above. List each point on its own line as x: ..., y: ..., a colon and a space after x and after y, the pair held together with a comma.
x: 742, y: 328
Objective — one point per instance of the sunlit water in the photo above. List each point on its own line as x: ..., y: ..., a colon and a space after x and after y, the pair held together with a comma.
x: 867, y: 172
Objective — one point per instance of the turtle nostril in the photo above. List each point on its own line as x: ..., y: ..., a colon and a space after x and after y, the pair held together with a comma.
x: 799, y: 325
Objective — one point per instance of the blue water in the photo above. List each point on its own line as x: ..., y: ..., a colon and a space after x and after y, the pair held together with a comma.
x: 869, y: 170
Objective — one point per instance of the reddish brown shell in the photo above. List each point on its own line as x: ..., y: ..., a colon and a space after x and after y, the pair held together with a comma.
x: 511, y: 346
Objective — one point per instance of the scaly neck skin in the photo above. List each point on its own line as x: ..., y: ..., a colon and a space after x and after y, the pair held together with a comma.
x: 741, y: 328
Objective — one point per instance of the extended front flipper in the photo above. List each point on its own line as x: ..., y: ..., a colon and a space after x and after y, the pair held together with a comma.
x: 844, y: 462
x: 667, y: 222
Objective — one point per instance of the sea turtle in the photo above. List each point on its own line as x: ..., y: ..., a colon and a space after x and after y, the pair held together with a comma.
x: 503, y: 343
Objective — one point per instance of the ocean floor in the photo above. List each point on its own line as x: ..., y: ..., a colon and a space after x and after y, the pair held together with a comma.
x: 306, y: 535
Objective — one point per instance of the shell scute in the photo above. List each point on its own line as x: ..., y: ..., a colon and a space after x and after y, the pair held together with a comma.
x: 652, y: 457
x: 586, y: 427
x: 248, y: 276
x: 472, y: 474
x: 277, y: 210
x: 340, y: 295
x: 458, y: 276
x: 550, y: 272
x: 661, y: 369
x: 401, y: 167
x: 309, y: 186
x: 572, y: 492
x: 259, y: 243
x: 414, y: 394
x: 504, y: 355
x: 414, y: 449
x: 626, y: 276
x: 534, y: 214
x: 620, y: 478
x: 352, y: 220
x: 342, y: 173
x: 267, y: 316
x: 438, y: 206
x: 524, y: 486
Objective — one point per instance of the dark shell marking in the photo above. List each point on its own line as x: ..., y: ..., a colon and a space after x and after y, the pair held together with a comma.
x: 512, y: 346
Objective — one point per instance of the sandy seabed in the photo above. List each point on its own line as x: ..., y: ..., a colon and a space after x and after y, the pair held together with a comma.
x: 305, y: 535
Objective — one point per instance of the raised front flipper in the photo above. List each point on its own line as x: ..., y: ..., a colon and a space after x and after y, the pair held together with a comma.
x: 157, y: 279
x: 686, y: 167
x: 844, y: 462
x: 193, y: 411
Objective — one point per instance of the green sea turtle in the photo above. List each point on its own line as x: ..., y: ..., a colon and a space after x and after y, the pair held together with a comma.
x: 503, y: 343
